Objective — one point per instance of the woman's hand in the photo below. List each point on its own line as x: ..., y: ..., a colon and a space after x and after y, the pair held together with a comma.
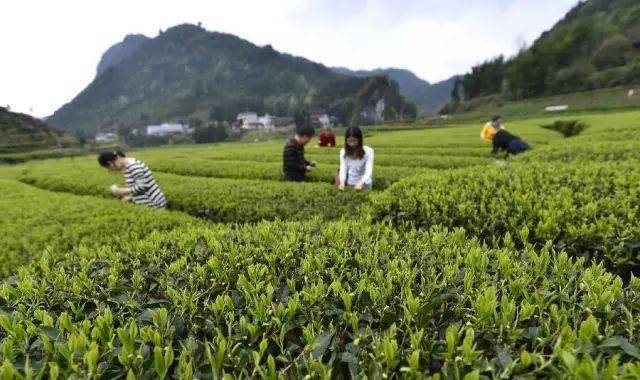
x: 359, y: 185
x: 119, y: 191
x: 114, y: 190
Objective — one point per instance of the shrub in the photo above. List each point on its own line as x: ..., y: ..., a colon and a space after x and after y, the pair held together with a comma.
x: 289, y: 300
x: 34, y: 221
x: 217, y: 199
x: 587, y: 209
x: 613, y: 52
x: 568, y: 128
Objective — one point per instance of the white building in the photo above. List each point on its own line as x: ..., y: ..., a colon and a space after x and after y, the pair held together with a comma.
x: 250, y: 121
x: 267, y: 121
x: 106, y: 137
x: 167, y: 129
x: 247, y: 119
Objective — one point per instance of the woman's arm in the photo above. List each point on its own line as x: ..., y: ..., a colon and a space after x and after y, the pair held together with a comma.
x: 343, y: 168
x: 368, y: 168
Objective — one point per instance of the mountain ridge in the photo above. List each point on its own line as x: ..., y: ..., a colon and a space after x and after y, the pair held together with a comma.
x: 429, y: 97
x: 188, y: 72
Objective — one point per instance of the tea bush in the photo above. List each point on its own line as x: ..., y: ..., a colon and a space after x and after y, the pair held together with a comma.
x: 324, y: 300
x: 589, y: 210
x: 270, y: 171
x: 33, y: 221
x: 218, y: 199
x: 407, y: 160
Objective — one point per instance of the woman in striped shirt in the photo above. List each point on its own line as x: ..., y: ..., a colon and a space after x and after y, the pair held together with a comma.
x: 141, y: 186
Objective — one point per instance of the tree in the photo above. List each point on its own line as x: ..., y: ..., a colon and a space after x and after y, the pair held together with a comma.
x: 614, y: 52
x: 212, y: 132
x: 484, y: 79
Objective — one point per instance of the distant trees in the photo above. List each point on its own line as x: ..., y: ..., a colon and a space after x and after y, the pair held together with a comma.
x: 615, y: 51
x: 590, y: 48
x: 210, y: 132
x: 484, y: 79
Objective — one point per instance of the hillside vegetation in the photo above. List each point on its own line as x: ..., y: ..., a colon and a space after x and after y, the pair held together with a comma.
x: 187, y: 72
x: 590, y: 48
x: 20, y: 132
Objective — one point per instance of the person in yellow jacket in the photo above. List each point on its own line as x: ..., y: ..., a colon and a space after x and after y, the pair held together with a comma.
x: 491, y: 128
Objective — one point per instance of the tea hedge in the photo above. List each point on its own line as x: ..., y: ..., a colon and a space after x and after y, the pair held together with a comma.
x: 396, y: 160
x: 589, y: 210
x: 218, y: 199
x: 270, y: 171
x: 323, y: 300
x: 33, y: 221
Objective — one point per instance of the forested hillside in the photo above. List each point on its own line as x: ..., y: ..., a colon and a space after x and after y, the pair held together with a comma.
x: 592, y: 47
x: 188, y: 72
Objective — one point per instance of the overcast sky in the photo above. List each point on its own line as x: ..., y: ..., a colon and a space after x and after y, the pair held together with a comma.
x: 50, y: 49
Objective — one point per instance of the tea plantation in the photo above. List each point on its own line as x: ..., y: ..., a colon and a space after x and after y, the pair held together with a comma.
x: 455, y: 266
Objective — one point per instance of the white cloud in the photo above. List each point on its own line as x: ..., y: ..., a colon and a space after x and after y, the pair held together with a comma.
x: 51, y: 48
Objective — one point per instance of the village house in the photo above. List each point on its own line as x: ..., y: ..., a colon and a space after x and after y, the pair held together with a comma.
x: 105, y: 137
x: 166, y: 129
x: 250, y: 121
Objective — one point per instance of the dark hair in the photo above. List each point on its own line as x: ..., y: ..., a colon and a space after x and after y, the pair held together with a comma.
x: 105, y: 157
x: 305, y: 130
x: 357, y: 152
x: 496, y: 118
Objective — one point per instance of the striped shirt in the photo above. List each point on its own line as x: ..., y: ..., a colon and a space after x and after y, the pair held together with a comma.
x: 143, y: 185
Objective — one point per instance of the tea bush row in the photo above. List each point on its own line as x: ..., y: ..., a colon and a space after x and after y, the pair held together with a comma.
x: 217, y: 199
x: 324, y: 300
x: 384, y: 176
x: 33, y: 221
x: 587, y: 209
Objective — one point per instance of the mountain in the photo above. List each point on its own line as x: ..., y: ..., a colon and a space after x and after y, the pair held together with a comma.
x: 21, y: 132
x: 120, y: 51
x: 596, y: 45
x: 188, y: 73
x: 428, y: 97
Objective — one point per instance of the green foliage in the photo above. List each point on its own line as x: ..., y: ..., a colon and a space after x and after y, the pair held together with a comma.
x: 210, y: 133
x: 34, y: 222
x: 568, y: 128
x: 20, y: 133
x: 268, y: 301
x: 588, y: 209
x: 615, y: 51
x: 189, y: 72
x: 484, y: 79
x: 560, y: 60
x: 220, y: 200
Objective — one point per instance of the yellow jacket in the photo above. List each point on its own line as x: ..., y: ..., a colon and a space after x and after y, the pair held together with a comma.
x: 488, y: 131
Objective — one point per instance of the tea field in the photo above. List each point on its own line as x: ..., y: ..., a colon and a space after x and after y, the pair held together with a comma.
x: 457, y: 265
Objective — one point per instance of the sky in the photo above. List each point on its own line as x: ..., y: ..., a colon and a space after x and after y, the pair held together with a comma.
x: 50, y: 49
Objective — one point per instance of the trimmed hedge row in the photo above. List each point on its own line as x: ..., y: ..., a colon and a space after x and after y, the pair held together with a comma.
x: 336, y: 300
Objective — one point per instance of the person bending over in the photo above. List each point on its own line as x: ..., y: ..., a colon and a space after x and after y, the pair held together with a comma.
x: 295, y: 166
x: 511, y: 144
x: 140, y: 184
x: 491, y: 128
x: 356, y: 162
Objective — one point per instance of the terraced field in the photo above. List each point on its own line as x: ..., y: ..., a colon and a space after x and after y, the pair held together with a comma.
x: 456, y: 265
